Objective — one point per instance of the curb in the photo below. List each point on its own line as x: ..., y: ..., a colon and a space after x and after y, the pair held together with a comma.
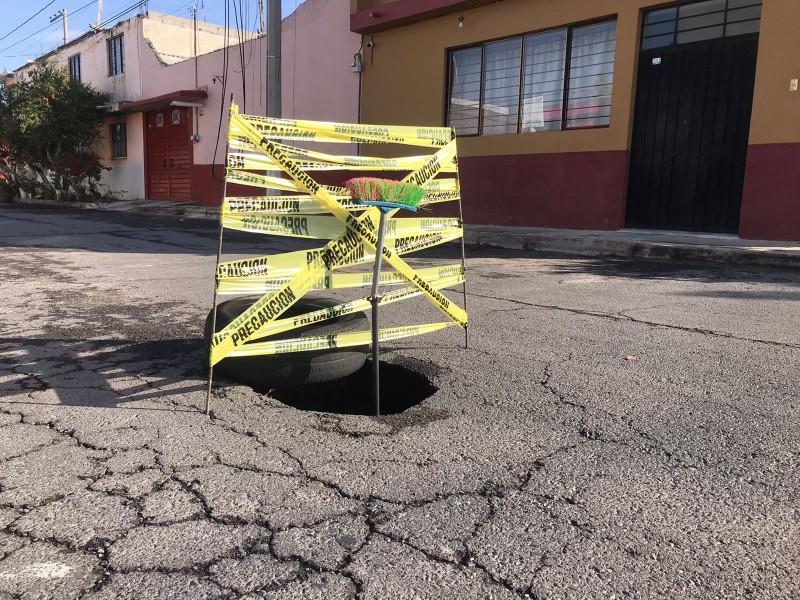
x: 181, y: 209
x: 589, y: 243
x: 594, y: 245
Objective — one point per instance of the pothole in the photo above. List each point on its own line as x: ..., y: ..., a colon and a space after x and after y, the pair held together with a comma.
x: 402, y: 387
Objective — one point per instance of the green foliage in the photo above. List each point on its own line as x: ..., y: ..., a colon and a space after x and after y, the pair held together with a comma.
x: 48, y: 125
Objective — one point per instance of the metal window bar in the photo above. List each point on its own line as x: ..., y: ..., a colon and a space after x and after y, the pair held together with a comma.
x: 116, y: 58
x: 119, y: 141
x: 731, y: 10
x: 75, y: 67
x: 565, y: 80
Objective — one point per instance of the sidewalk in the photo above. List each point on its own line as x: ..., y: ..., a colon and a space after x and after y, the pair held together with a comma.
x: 626, y: 243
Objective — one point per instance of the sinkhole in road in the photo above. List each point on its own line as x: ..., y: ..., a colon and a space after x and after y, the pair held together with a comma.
x: 402, y: 387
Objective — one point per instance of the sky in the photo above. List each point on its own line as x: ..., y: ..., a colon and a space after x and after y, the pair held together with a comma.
x: 20, y: 43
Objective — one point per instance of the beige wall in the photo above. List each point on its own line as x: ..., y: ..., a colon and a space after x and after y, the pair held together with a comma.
x: 127, y: 174
x: 404, y: 78
x: 94, y: 61
x: 174, y: 36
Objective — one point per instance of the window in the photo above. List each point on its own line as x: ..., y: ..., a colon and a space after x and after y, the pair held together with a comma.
x: 116, y: 58
x: 119, y: 141
x: 591, y: 76
x: 75, y: 67
x: 560, y: 79
x: 706, y: 20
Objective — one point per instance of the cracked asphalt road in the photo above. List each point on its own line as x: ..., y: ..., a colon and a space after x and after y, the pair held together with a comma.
x: 545, y: 466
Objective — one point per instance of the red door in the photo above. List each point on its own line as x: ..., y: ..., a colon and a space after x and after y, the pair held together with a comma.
x: 169, y: 154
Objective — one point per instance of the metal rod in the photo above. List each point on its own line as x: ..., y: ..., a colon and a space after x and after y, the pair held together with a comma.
x: 216, y: 286
x: 274, y: 108
x: 374, y: 299
x: 463, y: 259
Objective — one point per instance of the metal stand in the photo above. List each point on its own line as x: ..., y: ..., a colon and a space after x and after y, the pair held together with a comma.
x: 384, y: 207
x: 375, y: 299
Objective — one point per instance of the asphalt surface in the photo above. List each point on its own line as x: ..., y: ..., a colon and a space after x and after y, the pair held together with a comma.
x: 614, y: 429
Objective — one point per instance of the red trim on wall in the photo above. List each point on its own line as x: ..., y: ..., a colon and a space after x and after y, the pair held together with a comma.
x: 771, y: 198
x: 403, y: 12
x: 576, y: 190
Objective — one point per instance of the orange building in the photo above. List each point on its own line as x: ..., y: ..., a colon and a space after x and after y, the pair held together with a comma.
x: 601, y: 114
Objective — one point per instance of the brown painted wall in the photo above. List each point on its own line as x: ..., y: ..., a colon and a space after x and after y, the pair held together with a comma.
x: 410, y: 62
x: 776, y: 110
x: 404, y: 82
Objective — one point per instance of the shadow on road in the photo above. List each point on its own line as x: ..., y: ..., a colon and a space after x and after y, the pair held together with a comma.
x: 676, y: 271
x: 102, y: 373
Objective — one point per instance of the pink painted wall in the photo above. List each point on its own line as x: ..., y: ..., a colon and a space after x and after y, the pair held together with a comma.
x: 316, y: 77
x: 317, y: 84
x: 318, y: 48
x: 162, y: 80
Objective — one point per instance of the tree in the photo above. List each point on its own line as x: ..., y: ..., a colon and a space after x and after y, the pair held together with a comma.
x: 49, y: 123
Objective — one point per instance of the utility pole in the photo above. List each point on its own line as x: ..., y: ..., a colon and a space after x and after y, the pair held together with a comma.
x: 99, y: 14
x: 62, y: 14
x: 262, y: 28
x: 274, y: 58
x: 194, y: 45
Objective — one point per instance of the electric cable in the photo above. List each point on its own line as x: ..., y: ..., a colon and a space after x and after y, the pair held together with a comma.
x: 50, y: 26
x: 18, y: 27
x: 222, y: 102
x: 240, y: 50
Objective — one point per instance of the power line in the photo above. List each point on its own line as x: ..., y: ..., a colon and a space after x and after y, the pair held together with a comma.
x: 50, y: 26
x: 74, y: 14
x: 18, y: 27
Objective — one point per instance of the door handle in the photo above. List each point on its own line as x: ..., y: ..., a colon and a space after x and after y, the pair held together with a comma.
x: 164, y: 163
x: 171, y: 164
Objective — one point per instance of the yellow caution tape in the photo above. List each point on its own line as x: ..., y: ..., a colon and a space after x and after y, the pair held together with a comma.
x: 328, y: 228
x: 292, y: 262
x: 297, y: 130
x: 333, y: 281
x: 310, y: 160
x: 352, y: 238
x: 281, y: 325
x: 308, y: 205
x: 275, y: 183
x: 337, y: 340
x: 299, y: 205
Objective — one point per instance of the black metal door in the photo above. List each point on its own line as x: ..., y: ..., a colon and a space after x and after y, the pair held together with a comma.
x: 691, y: 127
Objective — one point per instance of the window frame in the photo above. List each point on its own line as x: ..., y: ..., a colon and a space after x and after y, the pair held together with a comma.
x: 72, y: 62
x: 726, y: 13
x: 110, y: 46
x: 121, y: 140
x: 567, y: 69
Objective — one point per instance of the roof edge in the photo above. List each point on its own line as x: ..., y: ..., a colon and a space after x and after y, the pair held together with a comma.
x: 406, y: 12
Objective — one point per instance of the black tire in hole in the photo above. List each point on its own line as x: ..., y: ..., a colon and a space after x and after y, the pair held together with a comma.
x: 404, y: 385
x: 264, y: 372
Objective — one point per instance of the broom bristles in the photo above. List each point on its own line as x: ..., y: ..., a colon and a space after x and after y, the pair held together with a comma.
x: 373, y: 189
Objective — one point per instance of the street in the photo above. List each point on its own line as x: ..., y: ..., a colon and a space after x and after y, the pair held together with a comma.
x: 614, y: 429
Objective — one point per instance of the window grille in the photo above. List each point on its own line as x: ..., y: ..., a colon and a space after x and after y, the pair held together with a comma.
x: 75, y: 67
x: 119, y: 141
x: 559, y: 79
x: 698, y: 21
x: 116, y: 55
